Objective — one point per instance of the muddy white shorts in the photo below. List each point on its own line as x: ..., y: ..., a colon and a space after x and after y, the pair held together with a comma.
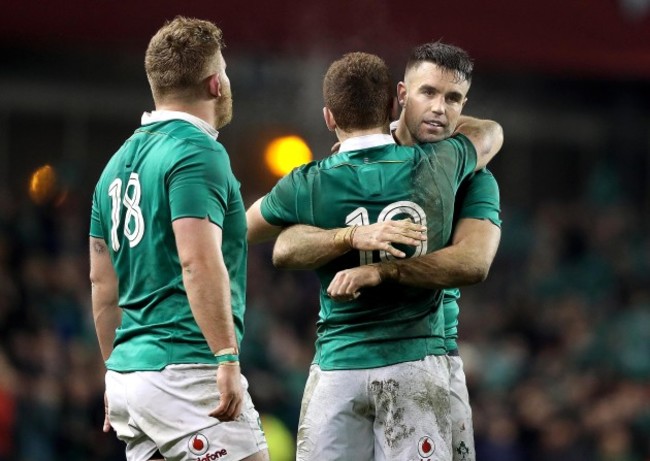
x: 169, y: 410
x: 399, y: 412
x: 461, y: 413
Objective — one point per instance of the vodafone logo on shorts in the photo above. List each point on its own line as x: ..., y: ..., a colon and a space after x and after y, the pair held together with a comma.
x: 199, y: 445
x: 426, y: 447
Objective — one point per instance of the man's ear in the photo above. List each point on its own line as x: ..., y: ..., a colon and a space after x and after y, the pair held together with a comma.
x: 329, y: 119
x: 214, y: 85
x: 401, y: 93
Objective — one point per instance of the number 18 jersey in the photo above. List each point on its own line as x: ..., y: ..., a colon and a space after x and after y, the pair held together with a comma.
x: 390, y: 323
x: 166, y: 170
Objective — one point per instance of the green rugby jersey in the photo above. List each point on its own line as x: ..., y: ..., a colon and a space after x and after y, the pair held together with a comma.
x: 166, y: 170
x: 390, y: 323
x: 477, y: 198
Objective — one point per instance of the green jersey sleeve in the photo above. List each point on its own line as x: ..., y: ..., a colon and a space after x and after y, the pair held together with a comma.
x: 479, y: 198
x: 96, y: 229
x: 199, y: 185
x: 288, y: 201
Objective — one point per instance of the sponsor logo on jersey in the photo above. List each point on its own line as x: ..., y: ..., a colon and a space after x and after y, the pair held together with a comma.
x: 426, y: 447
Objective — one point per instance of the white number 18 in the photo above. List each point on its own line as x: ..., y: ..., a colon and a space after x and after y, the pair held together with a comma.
x: 133, y: 221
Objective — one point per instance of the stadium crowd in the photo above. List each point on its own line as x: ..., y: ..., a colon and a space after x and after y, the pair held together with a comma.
x: 555, y: 342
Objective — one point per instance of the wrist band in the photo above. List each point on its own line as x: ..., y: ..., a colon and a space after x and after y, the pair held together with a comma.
x: 344, y: 237
x: 227, y: 358
x: 229, y: 364
x: 354, y: 229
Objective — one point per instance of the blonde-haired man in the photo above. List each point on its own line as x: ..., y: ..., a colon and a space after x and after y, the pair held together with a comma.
x: 168, y: 263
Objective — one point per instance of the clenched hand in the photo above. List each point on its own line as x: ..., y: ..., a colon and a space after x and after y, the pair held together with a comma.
x: 230, y: 389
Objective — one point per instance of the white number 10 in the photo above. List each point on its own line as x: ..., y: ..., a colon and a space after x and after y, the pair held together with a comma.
x: 133, y: 221
x: 359, y: 217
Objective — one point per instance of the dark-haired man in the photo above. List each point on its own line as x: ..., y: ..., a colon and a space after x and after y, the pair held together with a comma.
x: 430, y: 112
x: 379, y: 385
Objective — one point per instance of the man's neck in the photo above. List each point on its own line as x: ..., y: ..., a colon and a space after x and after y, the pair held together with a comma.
x: 344, y: 135
x: 402, y: 134
x: 203, y: 111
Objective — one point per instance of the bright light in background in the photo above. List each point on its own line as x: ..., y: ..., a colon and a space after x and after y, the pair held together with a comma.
x: 44, y: 186
x: 284, y: 154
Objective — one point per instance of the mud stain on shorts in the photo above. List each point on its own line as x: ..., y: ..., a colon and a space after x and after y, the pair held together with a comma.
x: 389, y: 414
x: 435, y: 400
x: 364, y: 410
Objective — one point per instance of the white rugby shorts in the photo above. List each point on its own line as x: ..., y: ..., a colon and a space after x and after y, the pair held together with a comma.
x: 169, y: 410
x: 398, y: 412
x: 462, y: 429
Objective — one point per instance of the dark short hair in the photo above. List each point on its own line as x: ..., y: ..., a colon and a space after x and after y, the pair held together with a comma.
x: 358, y: 91
x: 444, y: 55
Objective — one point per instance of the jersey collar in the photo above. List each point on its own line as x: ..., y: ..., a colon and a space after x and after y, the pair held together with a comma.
x: 164, y: 115
x: 365, y: 142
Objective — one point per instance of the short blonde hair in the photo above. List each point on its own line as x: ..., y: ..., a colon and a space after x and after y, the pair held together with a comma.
x: 181, y: 54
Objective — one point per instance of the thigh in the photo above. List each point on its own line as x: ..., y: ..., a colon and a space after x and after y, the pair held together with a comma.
x: 173, y: 409
x: 139, y: 447
x: 413, y: 411
x: 335, y: 417
x: 462, y: 429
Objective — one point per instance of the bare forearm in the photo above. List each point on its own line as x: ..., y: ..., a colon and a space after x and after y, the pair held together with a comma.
x: 259, y: 230
x: 208, y: 292
x: 104, y: 296
x: 107, y: 317
x: 206, y: 280
x: 307, y: 247
x: 446, y: 268
x: 465, y: 262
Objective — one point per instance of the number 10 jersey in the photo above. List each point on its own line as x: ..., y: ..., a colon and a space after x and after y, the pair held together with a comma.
x: 389, y: 323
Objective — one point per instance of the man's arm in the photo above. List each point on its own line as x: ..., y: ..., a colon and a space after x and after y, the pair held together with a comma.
x: 466, y: 261
x: 485, y: 135
x: 104, y: 296
x: 208, y: 290
x: 307, y: 247
x: 259, y: 229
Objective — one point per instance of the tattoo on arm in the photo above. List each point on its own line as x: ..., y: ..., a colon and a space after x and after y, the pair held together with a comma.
x: 99, y: 247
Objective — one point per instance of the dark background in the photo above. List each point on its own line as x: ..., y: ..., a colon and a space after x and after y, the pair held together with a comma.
x: 556, y: 342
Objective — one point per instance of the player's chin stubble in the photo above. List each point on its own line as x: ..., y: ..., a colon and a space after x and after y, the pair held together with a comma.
x: 223, y: 111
